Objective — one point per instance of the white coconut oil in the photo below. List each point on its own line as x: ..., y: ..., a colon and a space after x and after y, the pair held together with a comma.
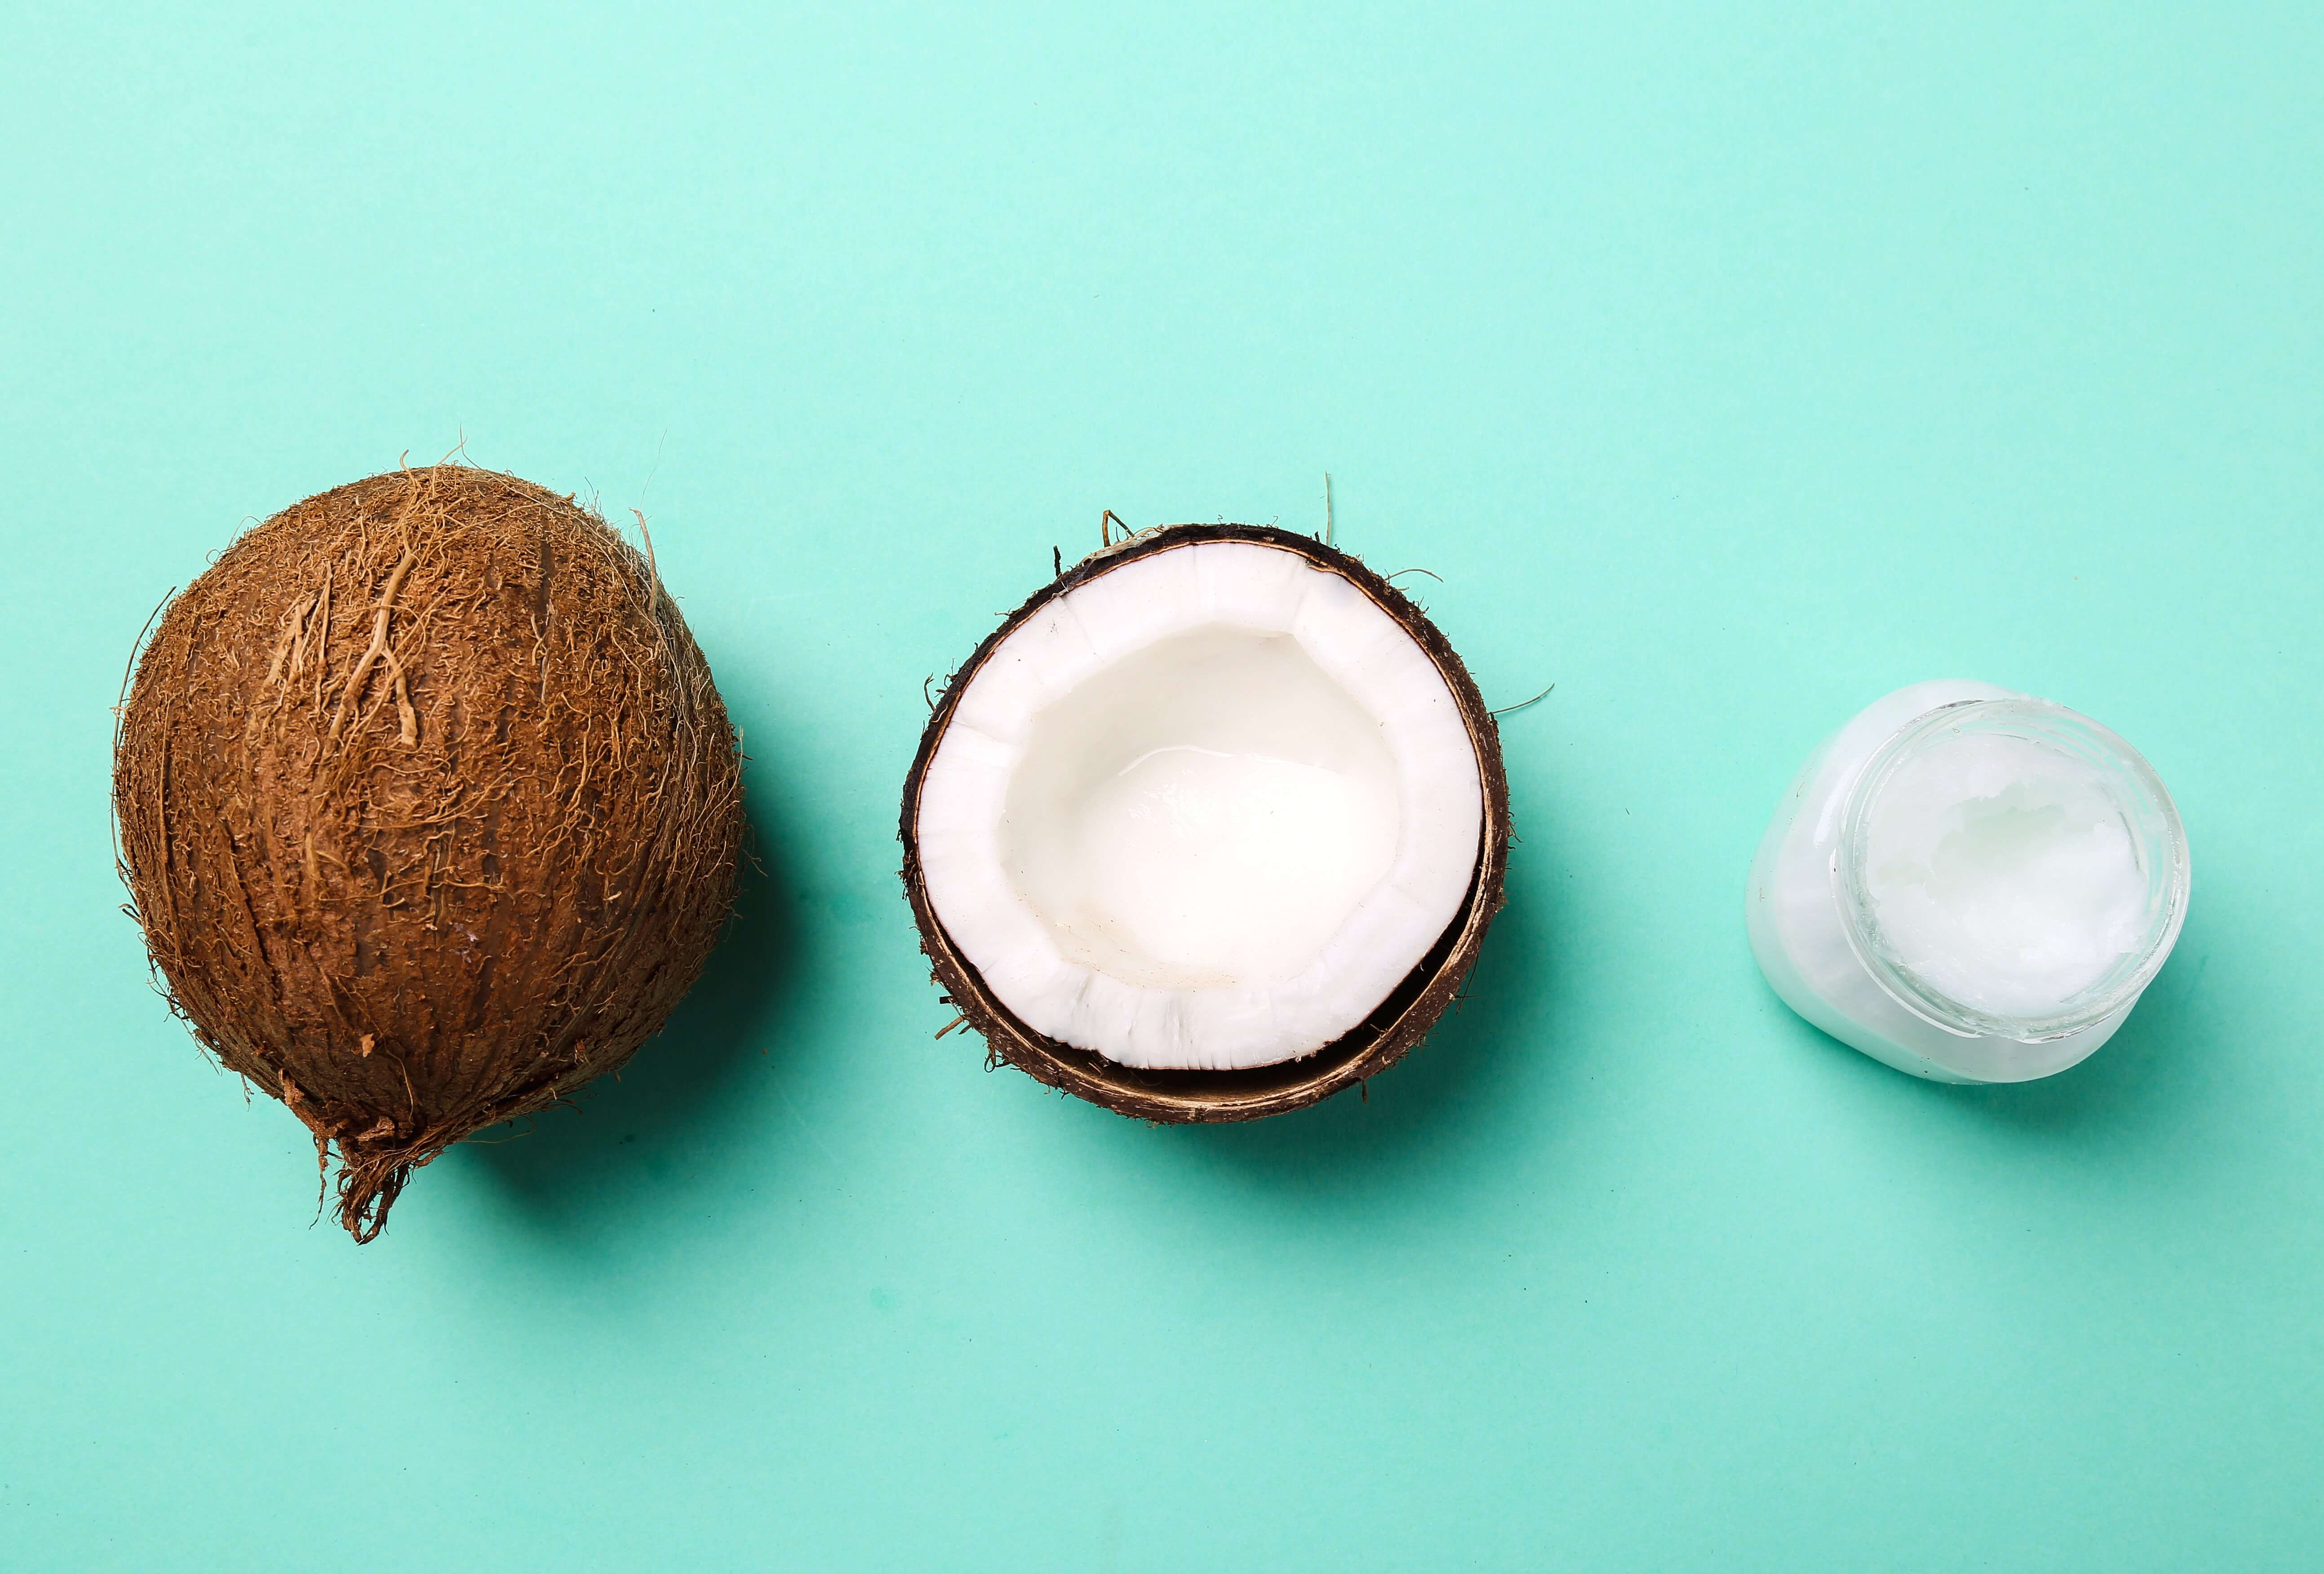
x: 1970, y: 884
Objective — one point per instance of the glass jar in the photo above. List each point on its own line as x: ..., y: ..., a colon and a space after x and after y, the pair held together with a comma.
x: 1970, y: 884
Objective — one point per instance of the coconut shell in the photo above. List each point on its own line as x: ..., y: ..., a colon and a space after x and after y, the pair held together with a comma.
x: 429, y: 810
x: 1398, y: 1023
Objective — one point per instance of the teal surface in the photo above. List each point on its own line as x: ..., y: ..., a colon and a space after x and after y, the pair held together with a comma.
x: 1729, y: 369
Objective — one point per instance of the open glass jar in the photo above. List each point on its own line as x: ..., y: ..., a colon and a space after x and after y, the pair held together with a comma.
x: 1970, y: 884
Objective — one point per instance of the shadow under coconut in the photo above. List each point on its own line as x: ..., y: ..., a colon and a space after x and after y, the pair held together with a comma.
x: 1416, y: 1106
x: 642, y: 1126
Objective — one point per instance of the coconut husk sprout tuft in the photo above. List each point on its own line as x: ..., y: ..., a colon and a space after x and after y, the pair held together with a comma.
x: 430, y: 811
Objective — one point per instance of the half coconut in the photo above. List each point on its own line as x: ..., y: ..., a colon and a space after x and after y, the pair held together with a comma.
x: 1209, y: 828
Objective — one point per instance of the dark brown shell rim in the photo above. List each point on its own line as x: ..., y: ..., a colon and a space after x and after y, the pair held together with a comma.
x: 1400, y: 1021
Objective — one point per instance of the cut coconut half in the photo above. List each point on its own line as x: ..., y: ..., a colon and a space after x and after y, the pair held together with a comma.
x: 1209, y: 828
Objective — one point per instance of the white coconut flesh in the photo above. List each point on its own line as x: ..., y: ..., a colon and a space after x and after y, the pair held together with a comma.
x: 1205, y: 810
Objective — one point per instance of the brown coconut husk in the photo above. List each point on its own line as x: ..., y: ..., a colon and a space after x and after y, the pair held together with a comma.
x: 429, y: 810
x: 1398, y: 1023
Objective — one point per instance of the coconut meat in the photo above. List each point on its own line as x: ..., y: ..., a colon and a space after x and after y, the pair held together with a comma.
x: 1205, y: 810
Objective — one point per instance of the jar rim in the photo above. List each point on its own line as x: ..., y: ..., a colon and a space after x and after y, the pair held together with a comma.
x: 2158, y: 839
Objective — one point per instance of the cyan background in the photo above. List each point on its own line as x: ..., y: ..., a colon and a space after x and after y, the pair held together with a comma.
x: 1732, y: 365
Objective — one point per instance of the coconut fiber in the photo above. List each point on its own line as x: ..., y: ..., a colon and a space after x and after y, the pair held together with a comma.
x: 430, y: 811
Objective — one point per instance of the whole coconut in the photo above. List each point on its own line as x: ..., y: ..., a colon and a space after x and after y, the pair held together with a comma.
x: 430, y: 809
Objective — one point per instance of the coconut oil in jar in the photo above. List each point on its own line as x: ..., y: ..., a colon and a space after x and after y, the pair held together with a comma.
x: 1970, y: 884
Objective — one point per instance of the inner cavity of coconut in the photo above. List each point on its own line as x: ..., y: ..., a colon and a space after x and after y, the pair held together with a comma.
x: 1203, y: 815
x: 1205, y: 810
